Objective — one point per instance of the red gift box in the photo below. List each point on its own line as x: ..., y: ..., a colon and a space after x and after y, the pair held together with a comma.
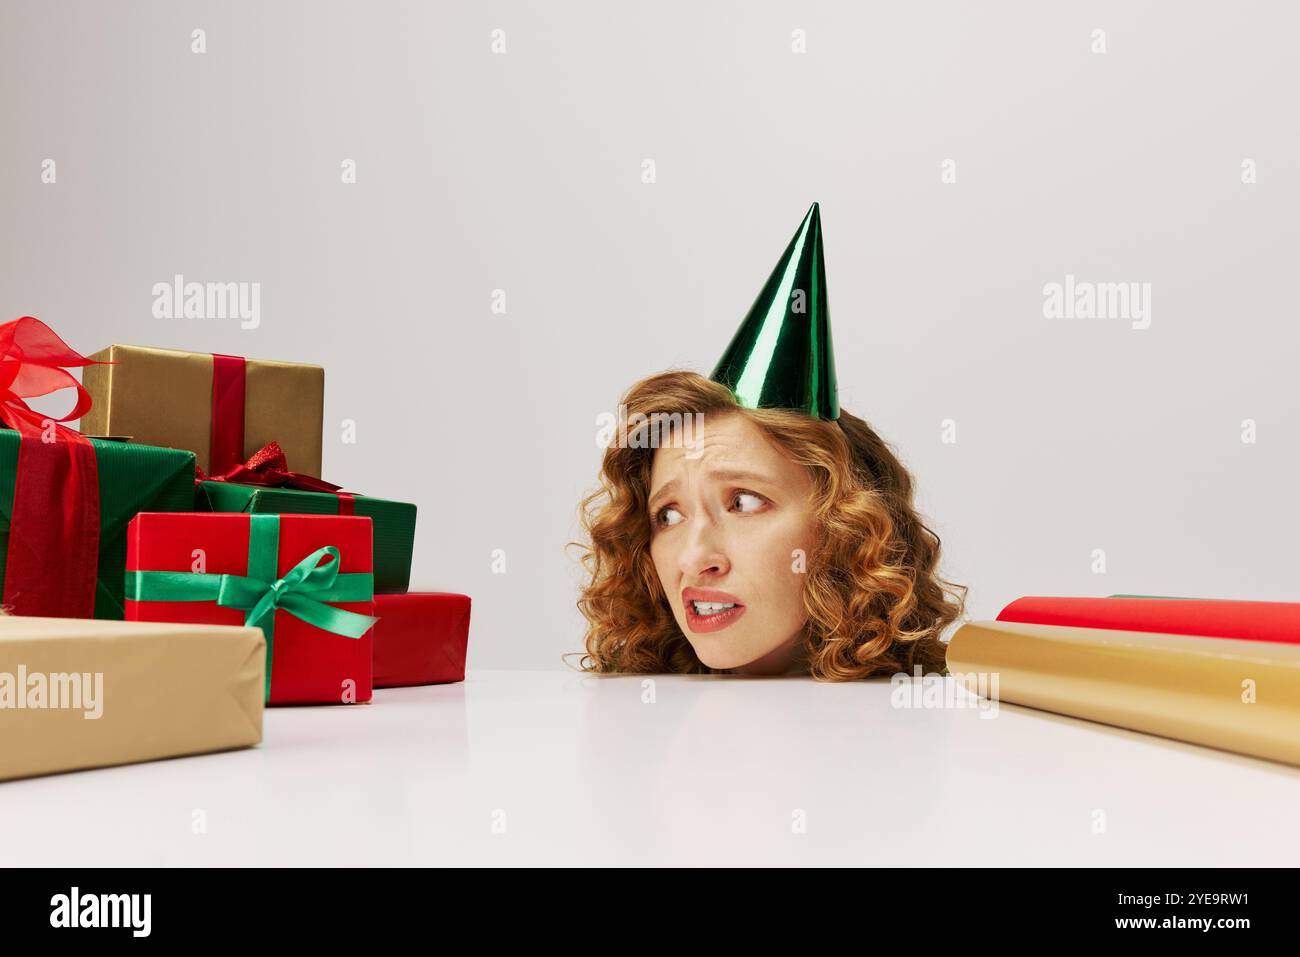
x: 306, y: 664
x: 420, y: 638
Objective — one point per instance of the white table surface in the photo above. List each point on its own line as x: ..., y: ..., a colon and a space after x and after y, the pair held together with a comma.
x: 516, y: 767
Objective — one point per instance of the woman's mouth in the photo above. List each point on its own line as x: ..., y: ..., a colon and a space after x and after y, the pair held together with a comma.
x: 710, y: 610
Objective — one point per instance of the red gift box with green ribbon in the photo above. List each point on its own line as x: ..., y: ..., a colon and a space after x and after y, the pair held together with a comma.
x: 305, y: 580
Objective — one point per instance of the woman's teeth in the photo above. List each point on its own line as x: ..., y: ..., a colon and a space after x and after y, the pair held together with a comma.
x: 712, y: 607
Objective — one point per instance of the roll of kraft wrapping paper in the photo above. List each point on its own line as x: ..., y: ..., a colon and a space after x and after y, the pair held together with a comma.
x: 1209, y: 618
x: 1241, y: 696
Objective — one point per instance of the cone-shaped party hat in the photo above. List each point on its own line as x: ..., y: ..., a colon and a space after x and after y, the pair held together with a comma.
x: 781, y: 357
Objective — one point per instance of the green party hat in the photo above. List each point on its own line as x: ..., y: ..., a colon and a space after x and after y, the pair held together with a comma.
x: 781, y: 357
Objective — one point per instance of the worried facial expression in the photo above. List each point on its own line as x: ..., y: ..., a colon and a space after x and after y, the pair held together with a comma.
x: 731, y: 532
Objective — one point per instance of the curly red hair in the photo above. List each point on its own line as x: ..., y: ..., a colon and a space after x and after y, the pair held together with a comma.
x: 873, y: 596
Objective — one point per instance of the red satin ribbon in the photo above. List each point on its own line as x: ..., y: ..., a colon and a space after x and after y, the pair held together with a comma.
x: 227, y: 443
x: 53, y: 554
x: 268, y: 466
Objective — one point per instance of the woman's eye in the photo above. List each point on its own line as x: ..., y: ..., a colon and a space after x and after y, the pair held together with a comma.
x: 747, y: 502
x: 668, y: 515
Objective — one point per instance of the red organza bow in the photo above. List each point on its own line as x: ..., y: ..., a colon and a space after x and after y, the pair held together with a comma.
x: 268, y: 466
x: 32, y: 358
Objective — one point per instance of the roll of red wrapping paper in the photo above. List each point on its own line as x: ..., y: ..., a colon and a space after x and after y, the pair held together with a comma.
x: 1210, y: 618
x: 1241, y: 696
x: 1178, y: 597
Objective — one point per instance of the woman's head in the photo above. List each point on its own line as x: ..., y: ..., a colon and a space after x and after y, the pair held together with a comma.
x: 758, y: 541
x: 731, y: 521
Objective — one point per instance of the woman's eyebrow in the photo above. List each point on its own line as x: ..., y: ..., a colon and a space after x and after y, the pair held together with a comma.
x: 737, y: 475
x: 717, y: 475
x: 663, y: 490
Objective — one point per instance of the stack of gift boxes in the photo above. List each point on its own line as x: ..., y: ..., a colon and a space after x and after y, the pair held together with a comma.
x: 190, y: 508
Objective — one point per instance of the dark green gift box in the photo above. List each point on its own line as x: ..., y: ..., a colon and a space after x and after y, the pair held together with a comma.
x: 393, y: 522
x: 132, y: 479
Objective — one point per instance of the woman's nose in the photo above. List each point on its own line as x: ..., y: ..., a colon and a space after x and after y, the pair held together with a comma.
x: 704, y: 555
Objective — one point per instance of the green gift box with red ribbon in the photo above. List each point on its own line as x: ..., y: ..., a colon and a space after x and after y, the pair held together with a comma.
x: 64, y: 512
x: 305, y: 580
x: 65, y: 499
x: 264, y: 485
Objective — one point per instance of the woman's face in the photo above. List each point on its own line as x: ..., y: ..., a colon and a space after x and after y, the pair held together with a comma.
x: 732, y: 531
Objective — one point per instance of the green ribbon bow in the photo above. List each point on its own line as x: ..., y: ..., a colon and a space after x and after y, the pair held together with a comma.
x: 304, y: 591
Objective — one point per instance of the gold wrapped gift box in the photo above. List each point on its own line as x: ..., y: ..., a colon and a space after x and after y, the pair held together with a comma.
x: 80, y: 693
x: 164, y: 397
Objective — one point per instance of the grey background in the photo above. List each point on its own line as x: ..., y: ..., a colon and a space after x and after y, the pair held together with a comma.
x: 522, y: 172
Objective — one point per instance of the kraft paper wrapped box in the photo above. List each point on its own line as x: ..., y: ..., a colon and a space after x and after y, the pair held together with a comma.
x: 393, y: 522
x: 305, y: 580
x: 80, y: 694
x: 221, y: 408
x: 64, y: 510
x: 420, y: 638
